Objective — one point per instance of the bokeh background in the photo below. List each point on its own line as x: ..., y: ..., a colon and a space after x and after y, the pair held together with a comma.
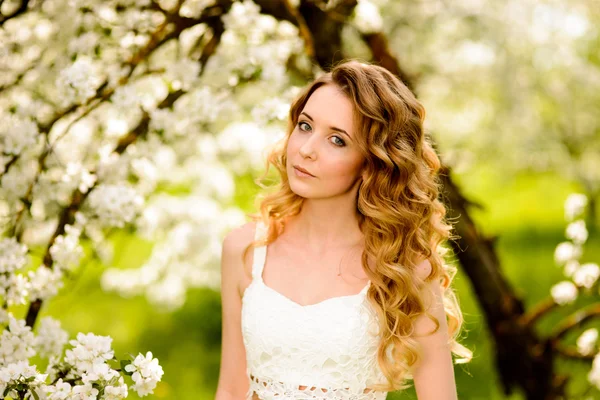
x: 511, y: 89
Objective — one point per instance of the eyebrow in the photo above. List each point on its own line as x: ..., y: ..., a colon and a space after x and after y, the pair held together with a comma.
x: 333, y: 128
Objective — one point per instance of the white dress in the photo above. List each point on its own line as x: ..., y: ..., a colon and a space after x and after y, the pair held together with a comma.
x: 325, y: 350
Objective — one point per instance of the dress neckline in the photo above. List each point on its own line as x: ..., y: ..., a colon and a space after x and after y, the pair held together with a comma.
x: 322, y: 302
x: 260, y: 259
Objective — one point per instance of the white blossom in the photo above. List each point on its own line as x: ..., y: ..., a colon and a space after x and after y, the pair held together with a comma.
x: 44, y: 283
x: 115, y: 205
x: 577, y: 232
x: 169, y: 292
x: 146, y: 373
x: 566, y: 251
x: 126, y: 99
x: 4, y: 315
x: 14, y: 288
x: 367, y: 17
x: 586, y: 275
x: 253, y: 46
x: 233, y: 140
x: 194, y: 8
x: 186, y: 254
x: 131, y: 40
x: 587, y: 341
x: 16, y: 342
x: 183, y: 73
x: 575, y: 205
x: 16, y: 133
x: 112, y: 168
x: 59, y: 391
x: 570, y: 267
x: 79, y: 81
x: 242, y: 16
x: 564, y: 292
x: 76, y: 176
x: 84, y: 392
x: 99, y: 372
x: 66, y: 250
x: 51, y: 338
x: 20, y: 372
x: 87, y: 350
x: 84, y: 43
x: 13, y: 255
x: 15, y: 183
x: 269, y: 110
x: 594, y: 374
x: 116, y: 391
x: 145, y: 169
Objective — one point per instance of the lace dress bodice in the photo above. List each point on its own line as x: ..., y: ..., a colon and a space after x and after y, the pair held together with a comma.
x: 325, y: 350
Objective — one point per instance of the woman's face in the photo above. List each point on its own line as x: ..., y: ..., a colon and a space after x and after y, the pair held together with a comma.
x: 323, y: 142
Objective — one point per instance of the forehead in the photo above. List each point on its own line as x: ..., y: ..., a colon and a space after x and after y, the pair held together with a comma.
x: 328, y: 105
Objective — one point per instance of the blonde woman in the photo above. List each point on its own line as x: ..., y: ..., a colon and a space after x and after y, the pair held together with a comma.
x: 338, y: 288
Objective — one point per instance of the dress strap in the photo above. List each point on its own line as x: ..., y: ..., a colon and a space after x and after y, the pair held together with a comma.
x: 260, y: 252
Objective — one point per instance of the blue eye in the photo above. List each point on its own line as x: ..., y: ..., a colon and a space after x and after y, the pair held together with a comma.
x: 340, y: 142
x: 300, y: 125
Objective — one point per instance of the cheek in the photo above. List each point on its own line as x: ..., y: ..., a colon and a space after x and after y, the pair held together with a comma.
x: 293, y: 145
x: 342, y: 167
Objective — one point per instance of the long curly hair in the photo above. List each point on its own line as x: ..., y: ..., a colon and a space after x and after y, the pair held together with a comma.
x: 398, y: 209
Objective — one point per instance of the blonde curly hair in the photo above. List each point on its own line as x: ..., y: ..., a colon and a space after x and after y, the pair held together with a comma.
x: 398, y: 209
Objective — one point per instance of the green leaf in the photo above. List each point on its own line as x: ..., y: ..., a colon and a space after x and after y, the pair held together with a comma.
x: 35, y: 395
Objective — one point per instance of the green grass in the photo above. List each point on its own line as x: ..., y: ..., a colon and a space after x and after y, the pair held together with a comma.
x: 525, y: 212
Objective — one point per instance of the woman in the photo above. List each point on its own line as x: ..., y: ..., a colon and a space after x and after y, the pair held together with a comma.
x: 338, y: 288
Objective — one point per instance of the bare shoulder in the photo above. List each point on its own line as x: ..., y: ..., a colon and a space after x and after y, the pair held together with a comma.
x: 238, y: 238
x: 234, y: 267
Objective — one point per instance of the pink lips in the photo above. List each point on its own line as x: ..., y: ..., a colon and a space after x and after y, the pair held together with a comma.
x: 302, y: 172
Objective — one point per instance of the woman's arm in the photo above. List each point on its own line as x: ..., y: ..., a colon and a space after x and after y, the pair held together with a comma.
x: 434, y: 373
x: 233, y: 382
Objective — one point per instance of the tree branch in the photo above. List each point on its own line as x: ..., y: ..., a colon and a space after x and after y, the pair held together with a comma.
x: 309, y: 46
x: 538, y: 311
x: 378, y: 44
x: 574, y: 321
x: 571, y: 352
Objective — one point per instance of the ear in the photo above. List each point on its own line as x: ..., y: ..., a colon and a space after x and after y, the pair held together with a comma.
x: 423, y: 269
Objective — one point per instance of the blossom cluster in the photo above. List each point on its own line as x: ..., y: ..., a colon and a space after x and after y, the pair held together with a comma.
x: 85, y: 371
x: 187, y: 232
x: 582, y: 276
x: 568, y: 253
x: 16, y: 286
x: 254, y: 45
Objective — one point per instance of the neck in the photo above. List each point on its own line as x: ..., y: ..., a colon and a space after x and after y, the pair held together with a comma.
x: 329, y: 222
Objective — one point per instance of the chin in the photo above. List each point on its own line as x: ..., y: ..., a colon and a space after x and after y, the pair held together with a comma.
x: 302, y: 192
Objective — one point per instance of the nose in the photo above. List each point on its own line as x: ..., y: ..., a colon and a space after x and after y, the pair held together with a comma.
x: 308, y: 148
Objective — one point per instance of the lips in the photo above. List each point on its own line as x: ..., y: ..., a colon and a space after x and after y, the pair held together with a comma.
x: 302, y: 170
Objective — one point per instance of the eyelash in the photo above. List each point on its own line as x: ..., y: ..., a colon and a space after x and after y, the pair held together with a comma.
x: 343, y: 143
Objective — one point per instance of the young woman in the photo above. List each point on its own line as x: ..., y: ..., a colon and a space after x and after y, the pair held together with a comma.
x: 338, y: 289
